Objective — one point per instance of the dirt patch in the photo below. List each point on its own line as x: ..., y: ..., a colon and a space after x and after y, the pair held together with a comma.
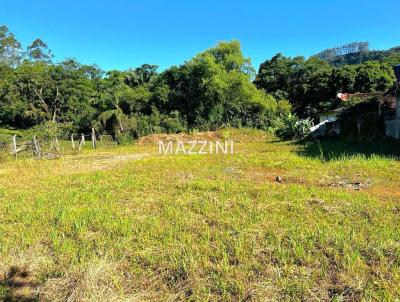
x: 155, y: 138
x: 19, y: 284
x: 110, y: 161
x: 350, y: 184
x: 388, y: 192
x: 263, y: 175
x: 100, y: 162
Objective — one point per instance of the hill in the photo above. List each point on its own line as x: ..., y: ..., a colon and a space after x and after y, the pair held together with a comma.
x: 358, y: 53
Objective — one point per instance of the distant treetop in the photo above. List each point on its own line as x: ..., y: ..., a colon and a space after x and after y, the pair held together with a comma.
x: 357, y: 53
x: 353, y: 47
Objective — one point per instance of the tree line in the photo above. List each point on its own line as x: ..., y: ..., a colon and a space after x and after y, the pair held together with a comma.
x: 311, y: 85
x: 357, y: 53
x: 216, y: 88
x: 211, y: 90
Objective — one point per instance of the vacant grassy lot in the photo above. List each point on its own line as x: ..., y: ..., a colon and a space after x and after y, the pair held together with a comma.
x: 129, y: 225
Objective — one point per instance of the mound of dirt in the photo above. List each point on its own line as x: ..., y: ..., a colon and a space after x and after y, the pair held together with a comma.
x: 198, y: 136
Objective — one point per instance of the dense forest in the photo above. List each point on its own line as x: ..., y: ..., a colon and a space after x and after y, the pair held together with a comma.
x: 216, y: 88
x: 310, y: 85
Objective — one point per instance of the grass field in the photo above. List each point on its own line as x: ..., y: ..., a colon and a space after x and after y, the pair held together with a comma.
x: 127, y: 224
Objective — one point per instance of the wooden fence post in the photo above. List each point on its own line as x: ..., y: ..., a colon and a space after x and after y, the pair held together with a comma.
x: 36, y: 146
x: 14, y: 146
x: 72, y: 141
x: 56, y: 144
x: 93, y: 139
x: 81, y: 142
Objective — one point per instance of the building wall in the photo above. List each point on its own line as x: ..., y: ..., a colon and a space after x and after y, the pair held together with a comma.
x: 392, y: 126
x: 398, y: 107
x: 330, y: 117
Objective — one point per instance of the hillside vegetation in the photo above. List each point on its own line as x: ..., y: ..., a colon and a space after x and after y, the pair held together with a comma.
x: 357, y: 53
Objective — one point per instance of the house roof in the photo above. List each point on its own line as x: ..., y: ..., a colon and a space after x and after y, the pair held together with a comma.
x: 346, y: 96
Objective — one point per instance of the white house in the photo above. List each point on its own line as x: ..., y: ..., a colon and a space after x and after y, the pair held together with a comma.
x: 328, y: 124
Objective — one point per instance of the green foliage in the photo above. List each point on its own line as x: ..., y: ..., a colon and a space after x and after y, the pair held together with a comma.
x: 212, y: 90
x: 39, y: 51
x: 344, y: 78
x: 331, y: 54
x: 10, y: 48
x: 141, y: 75
x: 293, y: 128
x: 374, y: 76
x: 305, y: 83
x: 50, y: 130
x: 311, y: 85
x: 158, y: 123
x: 6, y: 135
x: 358, y: 53
x: 173, y: 123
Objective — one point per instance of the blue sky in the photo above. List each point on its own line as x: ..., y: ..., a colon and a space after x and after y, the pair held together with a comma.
x: 126, y: 33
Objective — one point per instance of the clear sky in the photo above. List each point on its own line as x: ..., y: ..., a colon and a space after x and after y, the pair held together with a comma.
x: 118, y: 34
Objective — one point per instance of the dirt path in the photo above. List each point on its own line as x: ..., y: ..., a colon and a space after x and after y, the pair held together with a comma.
x: 99, y: 162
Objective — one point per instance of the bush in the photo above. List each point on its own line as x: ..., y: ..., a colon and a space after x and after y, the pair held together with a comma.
x: 293, y: 128
x: 173, y: 123
x: 50, y: 130
x: 130, y: 126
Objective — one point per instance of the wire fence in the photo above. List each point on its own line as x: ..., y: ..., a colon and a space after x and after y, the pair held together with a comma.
x: 40, y: 147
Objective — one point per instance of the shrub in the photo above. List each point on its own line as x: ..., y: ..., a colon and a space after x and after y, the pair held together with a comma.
x: 293, y: 128
x: 173, y: 123
x: 50, y: 130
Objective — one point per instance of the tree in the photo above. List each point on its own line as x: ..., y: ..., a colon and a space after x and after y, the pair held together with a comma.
x: 311, y: 85
x: 215, y: 89
x: 274, y: 75
x: 330, y: 54
x: 373, y: 76
x: 393, y: 59
x: 357, y: 53
x: 230, y: 57
x: 12, y: 106
x: 141, y: 75
x: 10, y: 48
x: 305, y: 83
x: 39, y: 51
x: 343, y: 79
x: 36, y: 92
